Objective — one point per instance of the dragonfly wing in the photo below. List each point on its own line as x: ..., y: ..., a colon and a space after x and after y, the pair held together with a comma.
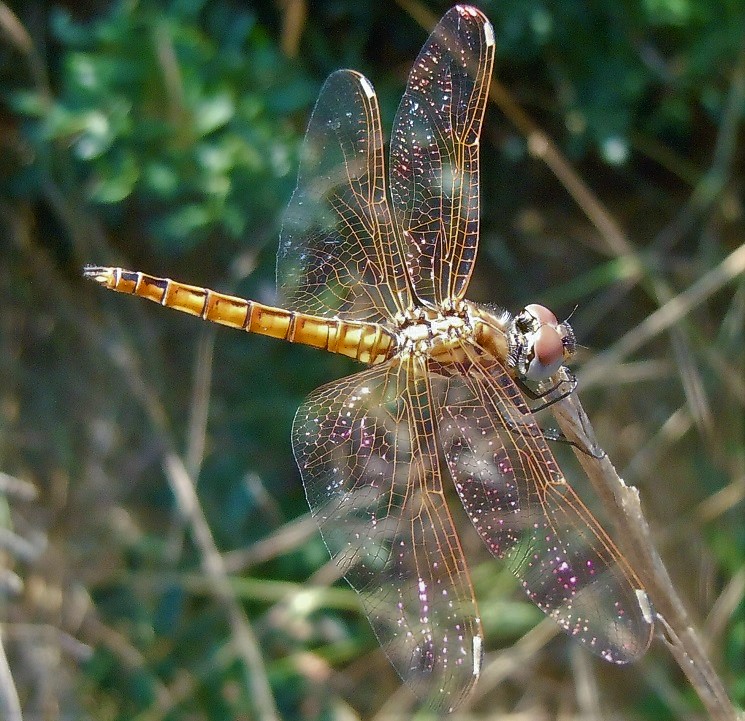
x: 435, y: 154
x: 338, y: 255
x: 366, y: 450
x: 527, y: 514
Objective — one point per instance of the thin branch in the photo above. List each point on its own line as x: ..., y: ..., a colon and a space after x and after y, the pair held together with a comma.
x: 10, y: 704
x: 588, y: 698
x: 18, y: 488
x: 246, y: 642
x: 19, y: 37
x: 722, y: 501
x: 726, y: 605
x: 294, y: 13
x: 172, y: 80
x: 665, y: 317
x: 200, y: 401
x: 711, y: 186
x: 289, y: 537
x: 182, y: 485
x: 184, y: 490
x: 621, y: 503
x: 511, y: 661
x: 49, y: 635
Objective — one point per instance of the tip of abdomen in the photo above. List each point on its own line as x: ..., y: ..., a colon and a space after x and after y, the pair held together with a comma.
x: 100, y: 274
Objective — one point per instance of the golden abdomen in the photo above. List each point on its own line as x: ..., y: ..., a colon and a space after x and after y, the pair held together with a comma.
x: 367, y: 342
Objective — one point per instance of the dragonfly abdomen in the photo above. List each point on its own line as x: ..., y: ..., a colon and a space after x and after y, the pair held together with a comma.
x: 367, y: 342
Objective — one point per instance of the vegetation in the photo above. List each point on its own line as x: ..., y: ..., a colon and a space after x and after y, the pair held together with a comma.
x: 157, y: 560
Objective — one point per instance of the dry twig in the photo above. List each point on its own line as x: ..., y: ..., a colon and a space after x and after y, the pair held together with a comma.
x: 10, y: 704
x: 621, y: 503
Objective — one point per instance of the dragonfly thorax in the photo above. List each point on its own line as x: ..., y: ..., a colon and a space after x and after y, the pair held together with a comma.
x: 425, y: 331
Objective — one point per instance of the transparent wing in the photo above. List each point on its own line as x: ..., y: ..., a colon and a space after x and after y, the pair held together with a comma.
x: 366, y: 450
x: 527, y: 514
x: 338, y: 255
x: 435, y: 154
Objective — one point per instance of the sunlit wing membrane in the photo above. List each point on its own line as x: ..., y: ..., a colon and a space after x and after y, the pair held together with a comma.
x: 366, y: 449
x: 527, y: 514
x: 338, y: 255
x: 434, y: 171
x: 373, y: 449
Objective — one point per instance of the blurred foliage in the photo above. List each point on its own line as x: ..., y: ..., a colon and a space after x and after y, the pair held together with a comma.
x: 622, y: 69
x: 164, y: 136
x: 168, y: 115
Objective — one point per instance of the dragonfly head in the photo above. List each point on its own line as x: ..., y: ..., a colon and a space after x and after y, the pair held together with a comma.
x: 538, y: 343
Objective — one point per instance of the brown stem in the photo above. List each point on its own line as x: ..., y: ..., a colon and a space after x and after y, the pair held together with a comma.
x: 622, y: 505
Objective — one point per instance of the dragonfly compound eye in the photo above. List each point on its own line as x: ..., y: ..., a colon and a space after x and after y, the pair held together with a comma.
x: 541, y: 314
x: 545, y: 353
x: 538, y: 343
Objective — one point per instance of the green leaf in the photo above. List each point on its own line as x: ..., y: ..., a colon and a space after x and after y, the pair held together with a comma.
x: 118, y: 183
x: 213, y: 113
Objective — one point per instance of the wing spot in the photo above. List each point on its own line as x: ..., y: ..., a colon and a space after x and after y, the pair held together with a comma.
x: 644, y: 604
x: 489, y: 34
x: 477, y: 655
x: 367, y: 88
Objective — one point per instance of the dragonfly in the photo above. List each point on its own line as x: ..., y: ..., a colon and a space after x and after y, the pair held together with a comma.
x: 376, y: 268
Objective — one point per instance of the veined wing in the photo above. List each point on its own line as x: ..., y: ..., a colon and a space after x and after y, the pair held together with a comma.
x: 435, y: 154
x: 366, y: 449
x: 527, y: 514
x: 338, y: 255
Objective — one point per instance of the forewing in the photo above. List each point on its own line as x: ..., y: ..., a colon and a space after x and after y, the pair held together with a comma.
x: 338, y: 255
x: 527, y: 514
x: 366, y: 450
x: 435, y: 154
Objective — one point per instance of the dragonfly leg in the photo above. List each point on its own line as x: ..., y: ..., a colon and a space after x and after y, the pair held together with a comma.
x: 554, y: 434
x: 537, y: 395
